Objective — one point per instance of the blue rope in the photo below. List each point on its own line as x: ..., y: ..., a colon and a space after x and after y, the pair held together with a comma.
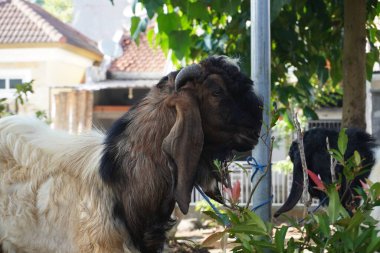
x: 220, y: 215
x: 254, y: 164
x: 315, y: 209
x: 320, y: 204
x: 266, y: 202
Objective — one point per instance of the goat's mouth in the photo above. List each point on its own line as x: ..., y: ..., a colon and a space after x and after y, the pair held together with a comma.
x: 246, y: 141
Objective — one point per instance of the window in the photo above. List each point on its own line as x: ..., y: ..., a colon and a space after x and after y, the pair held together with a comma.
x: 13, y: 83
x: 2, y: 83
x: 9, y: 83
x: 10, y: 78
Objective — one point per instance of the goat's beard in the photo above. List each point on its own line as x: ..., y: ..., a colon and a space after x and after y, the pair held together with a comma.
x: 212, y: 178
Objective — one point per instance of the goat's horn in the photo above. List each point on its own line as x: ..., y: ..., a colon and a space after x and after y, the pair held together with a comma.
x: 186, y: 73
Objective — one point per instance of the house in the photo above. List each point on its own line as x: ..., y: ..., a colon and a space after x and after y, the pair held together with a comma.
x: 119, y: 81
x: 129, y: 78
x: 34, y: 45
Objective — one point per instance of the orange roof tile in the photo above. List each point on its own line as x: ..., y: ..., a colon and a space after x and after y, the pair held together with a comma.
x: 22, y: 22
x: 139, y: 58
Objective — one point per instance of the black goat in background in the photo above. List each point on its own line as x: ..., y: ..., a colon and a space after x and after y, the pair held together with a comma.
x: 318, y: 161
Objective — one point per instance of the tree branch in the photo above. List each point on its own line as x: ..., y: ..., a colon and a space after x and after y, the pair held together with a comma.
x: 305, y: 196
x: 333, y: 163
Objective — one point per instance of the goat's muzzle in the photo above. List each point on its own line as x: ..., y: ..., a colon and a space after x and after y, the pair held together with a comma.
x: 246, y: 140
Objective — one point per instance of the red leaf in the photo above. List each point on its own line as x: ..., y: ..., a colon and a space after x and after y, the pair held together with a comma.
x: 235, y: 193
x: 364, y: 185
x: 316, y: 180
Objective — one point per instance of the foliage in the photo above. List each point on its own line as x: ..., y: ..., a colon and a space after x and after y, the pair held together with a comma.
x: 307, y: 42
x: 283, y: 165
x: 203, y: 206
x: 23, y: 90
x: 42, y: 115
x: 3, y: 107
x: 21, y: 95
x: 330, y: 230
x: 61, y: 9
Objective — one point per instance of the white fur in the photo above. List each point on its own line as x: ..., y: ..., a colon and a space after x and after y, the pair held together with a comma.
x: 51, y: 196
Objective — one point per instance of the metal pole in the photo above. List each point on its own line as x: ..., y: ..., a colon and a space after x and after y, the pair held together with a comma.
x: 260, y: 71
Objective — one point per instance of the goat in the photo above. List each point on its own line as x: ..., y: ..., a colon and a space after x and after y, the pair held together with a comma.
x: 318, y: 161
x: 115, y: 192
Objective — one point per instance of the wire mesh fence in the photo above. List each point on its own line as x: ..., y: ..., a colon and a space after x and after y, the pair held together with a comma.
x: 281, y: 185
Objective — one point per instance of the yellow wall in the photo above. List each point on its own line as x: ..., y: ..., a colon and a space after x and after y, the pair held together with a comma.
x: 48, y: 73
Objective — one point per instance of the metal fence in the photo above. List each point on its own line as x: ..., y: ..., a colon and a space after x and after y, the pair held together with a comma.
x: 281, y: 181
x: 325, y: 123
x: 281, y: 185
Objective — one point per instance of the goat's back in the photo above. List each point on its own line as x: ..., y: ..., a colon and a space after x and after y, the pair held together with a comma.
x: 51, y: 196
x: 23, y: 137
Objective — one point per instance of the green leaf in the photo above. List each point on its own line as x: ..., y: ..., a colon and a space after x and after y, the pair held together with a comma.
x: 362, y: 238
x: 215, y: 217
x: 245, y: 240
x: 264, y: 244
x: 248, y: 229
x: 291, y: 246
x: 356, y: 220
x: 233, y: 216
x: 150, y: 36
x: 336, y: 155
x: 198, y: 10
x: 362, y: 193
x: 179, y: 41
x: 374, y: 243
x: 254, y: 219
x: 279, y: 238
x: 134, y: 24
x: 375, y: 190
x: 153, y: 6
x: 324, y: 224
x: 342, y: 141
x: 168, y: 22
x: 335, y: 208
x: 357, y: 158
x: 275, y: 8
x: 310, y: 113
x: 138, y: 25
x: 275, y: 117
x: 347, y: 242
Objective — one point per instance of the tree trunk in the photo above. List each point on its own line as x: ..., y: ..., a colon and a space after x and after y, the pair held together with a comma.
x: 354, y: 62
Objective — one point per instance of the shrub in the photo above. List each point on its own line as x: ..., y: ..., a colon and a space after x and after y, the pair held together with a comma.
x: 332, y: 229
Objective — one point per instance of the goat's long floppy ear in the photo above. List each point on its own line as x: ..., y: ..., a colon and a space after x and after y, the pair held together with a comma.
x: 184, y: 145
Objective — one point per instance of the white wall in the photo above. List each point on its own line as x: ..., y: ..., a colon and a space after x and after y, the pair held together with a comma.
x: 48, y: 67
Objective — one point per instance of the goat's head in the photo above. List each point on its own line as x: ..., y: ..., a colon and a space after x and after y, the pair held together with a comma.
x: 217, y: 112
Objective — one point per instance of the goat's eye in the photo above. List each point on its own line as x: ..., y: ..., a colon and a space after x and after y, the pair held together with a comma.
x: 217, y: 93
